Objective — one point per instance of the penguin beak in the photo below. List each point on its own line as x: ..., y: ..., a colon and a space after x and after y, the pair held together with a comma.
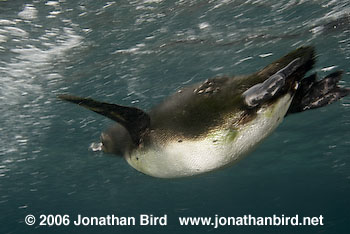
x: 105, y: 139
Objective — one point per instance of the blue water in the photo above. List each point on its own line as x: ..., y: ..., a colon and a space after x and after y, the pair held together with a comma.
x: 137, y: 53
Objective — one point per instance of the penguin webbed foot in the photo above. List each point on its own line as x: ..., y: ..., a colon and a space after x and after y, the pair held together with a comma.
x: 313, y: 93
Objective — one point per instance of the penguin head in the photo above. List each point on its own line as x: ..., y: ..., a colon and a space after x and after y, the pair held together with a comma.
x: 116, y: 140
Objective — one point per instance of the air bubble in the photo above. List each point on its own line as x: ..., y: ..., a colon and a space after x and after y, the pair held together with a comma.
x: 96, y: 146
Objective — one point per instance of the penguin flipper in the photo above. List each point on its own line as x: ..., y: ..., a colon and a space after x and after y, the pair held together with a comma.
x: 314, y: 94
x: 134, y: 120
x: 268, y: 89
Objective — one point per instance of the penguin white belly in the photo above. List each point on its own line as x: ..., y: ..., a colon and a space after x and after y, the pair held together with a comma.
x: 222, y: 148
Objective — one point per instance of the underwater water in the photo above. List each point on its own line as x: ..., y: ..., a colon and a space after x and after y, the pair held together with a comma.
x: 137, y: 53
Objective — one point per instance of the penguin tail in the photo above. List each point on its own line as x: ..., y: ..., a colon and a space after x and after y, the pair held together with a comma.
x: 313, y: 93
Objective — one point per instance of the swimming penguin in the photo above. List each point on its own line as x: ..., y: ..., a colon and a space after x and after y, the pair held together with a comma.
x: 213, y: 124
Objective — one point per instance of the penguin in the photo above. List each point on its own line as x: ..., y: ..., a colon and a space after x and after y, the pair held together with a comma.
x: 213, y: 124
